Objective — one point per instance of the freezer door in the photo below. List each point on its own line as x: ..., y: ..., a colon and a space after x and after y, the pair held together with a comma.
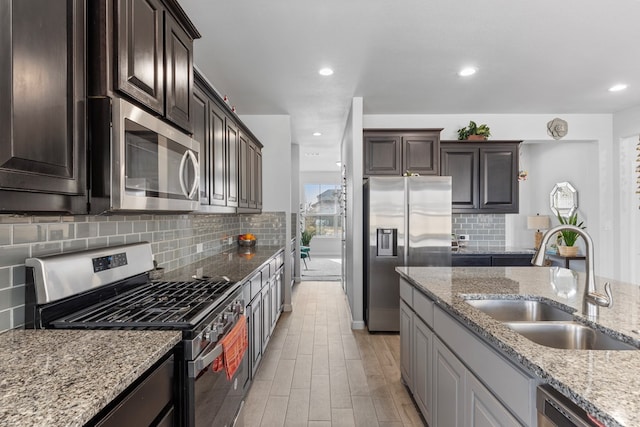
x: 385, y: 234
x: 429, y: 224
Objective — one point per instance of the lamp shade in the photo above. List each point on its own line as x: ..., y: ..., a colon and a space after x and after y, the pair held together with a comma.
x: 538, y: 222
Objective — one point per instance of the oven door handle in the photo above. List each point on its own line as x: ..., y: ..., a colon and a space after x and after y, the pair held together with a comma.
x: 210, y: 353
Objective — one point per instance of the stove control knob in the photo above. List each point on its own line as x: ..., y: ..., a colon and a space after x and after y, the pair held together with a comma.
x: 207, y: 334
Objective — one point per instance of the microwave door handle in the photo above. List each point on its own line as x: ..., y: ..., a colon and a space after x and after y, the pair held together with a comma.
x: 196, y: 177
x: 183, y: 163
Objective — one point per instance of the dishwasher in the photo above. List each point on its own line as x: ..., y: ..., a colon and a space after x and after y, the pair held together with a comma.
x: 556, y: 410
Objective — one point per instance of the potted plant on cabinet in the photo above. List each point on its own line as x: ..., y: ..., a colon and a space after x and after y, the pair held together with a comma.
x: 474, y: 132
x: 569, y: 237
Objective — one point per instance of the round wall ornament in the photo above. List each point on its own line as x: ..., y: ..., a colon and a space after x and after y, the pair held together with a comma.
x: 557, y: 128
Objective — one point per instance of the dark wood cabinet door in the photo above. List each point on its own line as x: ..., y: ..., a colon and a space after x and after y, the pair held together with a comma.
x: 499, y: 178
x: 252, y: 184
x: 382, y: 154
x: 201, y: 134
x: 471, y: 260
x: 461, y: 164
x: 140, y: 52
x: 219, y: 149
x: 244, y: 174
x: 42, y: 106
x: 178, y: 74
x: 258, y: 178
x: 232, y: 162
x: 421, y: 153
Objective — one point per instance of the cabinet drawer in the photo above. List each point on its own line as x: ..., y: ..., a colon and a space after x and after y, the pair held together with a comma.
x: 256, y: 284
x: 511, y: 385
x: 406, y: 292
x: 423, y: 307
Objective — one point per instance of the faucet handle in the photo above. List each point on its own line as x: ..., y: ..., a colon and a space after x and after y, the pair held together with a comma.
x: 603, y: 300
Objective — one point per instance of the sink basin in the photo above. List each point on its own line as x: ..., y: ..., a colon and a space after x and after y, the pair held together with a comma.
x: 568, y: 336
x: 519, y: 310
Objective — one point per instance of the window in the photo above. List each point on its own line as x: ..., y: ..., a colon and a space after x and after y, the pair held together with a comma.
x: 321, y: 210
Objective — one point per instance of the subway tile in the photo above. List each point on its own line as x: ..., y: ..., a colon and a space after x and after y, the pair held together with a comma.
x: 29, y: 233
x: 18, y: 316
x: 13, y: 255
x: 5, y: 235
x: 87, y: 229
x: 125, y: 227
x: 11, y: 297
x: 74, y: 245
x: 61, y: 231
x: 5, y: 277
x: 97, y: 242
x: 15, y: 219
x: 5, y: 320
x: 116, y: 240
x: 46, y: 219
x: 132, y: 238
x: 18, y: 274
x: 107, y: 228
x: 43, y: 249
x: 139, y: 226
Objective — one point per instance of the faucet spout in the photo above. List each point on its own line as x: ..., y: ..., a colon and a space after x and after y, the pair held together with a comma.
x: 592, y: 299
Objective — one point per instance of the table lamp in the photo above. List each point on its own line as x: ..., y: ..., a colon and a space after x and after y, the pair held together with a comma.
x: 538, y: 222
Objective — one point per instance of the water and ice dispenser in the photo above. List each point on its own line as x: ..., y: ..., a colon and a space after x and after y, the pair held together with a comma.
x: 387, y: 242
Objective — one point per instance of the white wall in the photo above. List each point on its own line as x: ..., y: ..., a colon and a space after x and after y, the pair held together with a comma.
x: 274, y: 131
x: 351, y: 149
x: 626, y: 126
x: 532, y: 128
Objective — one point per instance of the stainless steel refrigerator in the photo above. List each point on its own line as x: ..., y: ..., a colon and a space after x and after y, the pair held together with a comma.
x: 407, y: 222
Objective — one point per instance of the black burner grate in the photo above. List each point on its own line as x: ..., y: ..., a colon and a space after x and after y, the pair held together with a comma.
x: 160, y: 304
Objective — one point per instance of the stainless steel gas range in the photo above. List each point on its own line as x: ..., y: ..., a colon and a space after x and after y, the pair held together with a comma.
x: 109, y: 288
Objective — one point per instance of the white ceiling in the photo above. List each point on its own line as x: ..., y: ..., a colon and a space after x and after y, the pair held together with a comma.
x: 402, y: 57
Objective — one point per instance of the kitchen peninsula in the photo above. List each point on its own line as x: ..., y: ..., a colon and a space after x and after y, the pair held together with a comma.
x: 602, y: 382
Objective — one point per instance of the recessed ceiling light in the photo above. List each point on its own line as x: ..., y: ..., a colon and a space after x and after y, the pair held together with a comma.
x: 317, y: 134
x: 325, y: 71
x: 618, y: 87
x: 468, y: 71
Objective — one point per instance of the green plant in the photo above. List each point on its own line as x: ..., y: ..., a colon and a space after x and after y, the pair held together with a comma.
x: 305, y: 237
x: 569, y: 237
x: 474, y: 129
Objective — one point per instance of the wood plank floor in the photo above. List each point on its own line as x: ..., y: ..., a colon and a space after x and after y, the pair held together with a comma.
x: 318, y: 372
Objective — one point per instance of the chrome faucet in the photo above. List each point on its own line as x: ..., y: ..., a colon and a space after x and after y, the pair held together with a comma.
x: 592, y: 298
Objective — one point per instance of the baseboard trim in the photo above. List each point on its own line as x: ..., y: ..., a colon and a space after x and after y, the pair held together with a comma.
x: 357, y: 324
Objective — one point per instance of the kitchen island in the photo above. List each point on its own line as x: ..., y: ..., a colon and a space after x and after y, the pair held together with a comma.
x: 604, y: 383
x: 66, y: 377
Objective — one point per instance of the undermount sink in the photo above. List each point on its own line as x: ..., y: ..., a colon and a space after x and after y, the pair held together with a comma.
x: 506, y: 310
x: 568, y: 336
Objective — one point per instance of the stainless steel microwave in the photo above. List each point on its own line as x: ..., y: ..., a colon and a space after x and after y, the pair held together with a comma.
x: 139, y: 162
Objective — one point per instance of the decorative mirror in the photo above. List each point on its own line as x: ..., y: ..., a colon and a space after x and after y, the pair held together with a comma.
x: 563, y: 199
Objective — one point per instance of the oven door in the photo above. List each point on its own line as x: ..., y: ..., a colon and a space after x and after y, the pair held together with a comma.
x: 156, y: 166
x: 213, y: 400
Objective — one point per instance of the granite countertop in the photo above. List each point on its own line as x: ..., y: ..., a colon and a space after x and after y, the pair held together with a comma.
x: 236, y: 264
x: 491, y: 250
x: 64, y: 378
x: 604, y: 383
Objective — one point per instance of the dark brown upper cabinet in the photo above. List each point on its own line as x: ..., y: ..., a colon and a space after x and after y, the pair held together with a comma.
x: 484, y: 175
x: 143, y: 49
x: 42, y: 106
x: 230, y: 157
x: 398, y: 152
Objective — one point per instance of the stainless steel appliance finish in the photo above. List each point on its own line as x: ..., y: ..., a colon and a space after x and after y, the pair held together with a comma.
x: 60, y: 276
x: 555, y: 410
x: 407, y: 222
x: 109, y: 288
x: 139, y: 162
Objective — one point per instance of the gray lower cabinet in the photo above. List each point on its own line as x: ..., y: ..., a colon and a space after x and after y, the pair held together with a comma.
x: 264, y: 290
x: 406, y: 319
x: 422, y: 367
x: 455, y: 378
x: 448, y: 383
